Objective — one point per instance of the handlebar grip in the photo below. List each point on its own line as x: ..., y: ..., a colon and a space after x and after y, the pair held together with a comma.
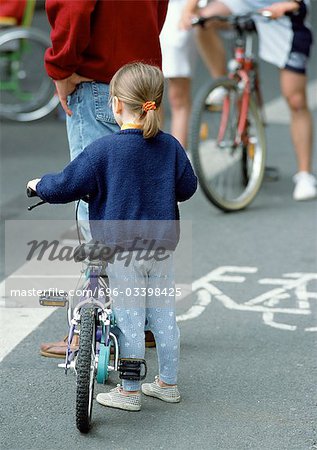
x: 30, y: 192
x: 200, y: 21
x: 266, y: 13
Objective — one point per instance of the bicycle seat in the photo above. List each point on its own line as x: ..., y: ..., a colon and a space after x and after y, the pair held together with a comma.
x: 7, y: 21
x: 93, y: 251
x: 247, y: 24
x: 250, y: 26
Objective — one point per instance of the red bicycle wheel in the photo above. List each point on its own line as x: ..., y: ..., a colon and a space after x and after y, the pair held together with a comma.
x: 228, y: 150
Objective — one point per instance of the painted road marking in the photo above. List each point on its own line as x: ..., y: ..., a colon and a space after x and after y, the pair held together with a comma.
x: 44, y: 277
x: 203, y: 300
x: 17, y: 323
x: 269, y: 303
x: 205, y: 290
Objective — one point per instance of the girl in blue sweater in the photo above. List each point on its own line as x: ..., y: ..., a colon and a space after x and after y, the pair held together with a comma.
x: 138, y: 174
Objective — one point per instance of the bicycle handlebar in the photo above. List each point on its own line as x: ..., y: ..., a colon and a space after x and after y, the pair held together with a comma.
x: 202, y: 20
x: 232, y: 19
x: 32, y: 193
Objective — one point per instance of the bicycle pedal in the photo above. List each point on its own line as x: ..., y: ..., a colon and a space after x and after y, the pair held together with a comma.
x: 53, y: 298
x: 271, y: 174
x: 71, y: 365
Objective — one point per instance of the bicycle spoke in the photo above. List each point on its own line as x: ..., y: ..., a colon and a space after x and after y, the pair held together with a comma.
x: 229, y: 165
x: 26, y: 92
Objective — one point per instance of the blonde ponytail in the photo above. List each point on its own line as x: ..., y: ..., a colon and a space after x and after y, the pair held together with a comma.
x: 151, y: 124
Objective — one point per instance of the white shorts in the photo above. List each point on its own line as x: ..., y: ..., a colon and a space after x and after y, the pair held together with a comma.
x: 178, y: 46
x: 285, y: 42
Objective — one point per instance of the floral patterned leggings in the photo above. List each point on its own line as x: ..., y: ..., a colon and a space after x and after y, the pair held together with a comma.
x: 143, y: 291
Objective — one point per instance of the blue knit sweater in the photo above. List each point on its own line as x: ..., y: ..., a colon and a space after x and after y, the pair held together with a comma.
x: 127, y: 178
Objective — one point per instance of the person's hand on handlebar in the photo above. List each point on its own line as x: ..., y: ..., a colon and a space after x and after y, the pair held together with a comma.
x: 189, y: 13
x: 279, y: 9
x: 33, y: 183
x: 31, y: 192
x: 192, y: 11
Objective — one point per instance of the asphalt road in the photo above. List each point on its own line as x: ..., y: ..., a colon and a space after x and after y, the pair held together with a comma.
x: 248, y: 368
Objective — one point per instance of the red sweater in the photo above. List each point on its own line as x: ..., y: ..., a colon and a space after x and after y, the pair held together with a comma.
x: 96, y: 38
x: 12, y: 8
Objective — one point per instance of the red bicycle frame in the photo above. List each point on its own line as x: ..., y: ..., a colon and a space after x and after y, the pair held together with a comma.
x: 245, y: 65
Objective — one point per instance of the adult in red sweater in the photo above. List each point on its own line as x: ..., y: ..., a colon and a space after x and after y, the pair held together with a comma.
x: 91, y: 40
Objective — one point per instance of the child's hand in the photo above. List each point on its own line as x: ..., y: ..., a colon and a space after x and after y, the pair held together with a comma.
x: 33, y: 183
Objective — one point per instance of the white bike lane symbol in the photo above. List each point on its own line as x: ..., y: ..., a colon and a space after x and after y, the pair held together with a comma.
x: 269, y: 304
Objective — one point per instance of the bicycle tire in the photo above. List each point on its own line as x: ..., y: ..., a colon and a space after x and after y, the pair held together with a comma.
x: 250, y: 185
x: 33, y: 95
x: 85, y: 368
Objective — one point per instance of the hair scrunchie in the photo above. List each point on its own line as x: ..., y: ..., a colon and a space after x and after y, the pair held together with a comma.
x: 148, y: 106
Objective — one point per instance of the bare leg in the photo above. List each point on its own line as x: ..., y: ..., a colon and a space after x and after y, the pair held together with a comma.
x: 293, y: 87
x: 209, y: 43
x: 180, y: 102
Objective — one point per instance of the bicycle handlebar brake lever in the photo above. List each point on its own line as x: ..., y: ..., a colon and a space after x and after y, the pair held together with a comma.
x: 36, y: 204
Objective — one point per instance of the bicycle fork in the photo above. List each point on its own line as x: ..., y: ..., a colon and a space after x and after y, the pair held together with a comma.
x: 243, y: 105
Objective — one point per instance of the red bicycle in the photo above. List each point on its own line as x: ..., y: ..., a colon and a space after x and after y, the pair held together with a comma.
x: 227, y: 138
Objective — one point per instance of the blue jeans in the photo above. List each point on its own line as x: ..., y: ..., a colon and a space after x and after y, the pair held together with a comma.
x: 92, y: 118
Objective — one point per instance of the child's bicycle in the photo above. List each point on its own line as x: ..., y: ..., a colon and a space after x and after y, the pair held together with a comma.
x: 92, y: 319
x: 226, y: 138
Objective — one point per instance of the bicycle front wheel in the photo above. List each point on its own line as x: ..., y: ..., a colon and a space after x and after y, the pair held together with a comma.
x: 230, y: 168
x: 86, y: 369
x: 26, y: 92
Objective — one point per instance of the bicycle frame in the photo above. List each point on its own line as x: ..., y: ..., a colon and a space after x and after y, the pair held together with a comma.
x: 14, y: 55
x: 94, y: 292
x: 13, y: 58
x: 93, y: 288
x: 226, y: 133
x: 25, y: 97
x: 241, y: 67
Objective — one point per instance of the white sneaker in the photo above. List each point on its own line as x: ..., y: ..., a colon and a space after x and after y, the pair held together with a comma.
x: 116, y: 399
x: 305, y: 186
x: 216, y: 96
x: 167, y: 394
